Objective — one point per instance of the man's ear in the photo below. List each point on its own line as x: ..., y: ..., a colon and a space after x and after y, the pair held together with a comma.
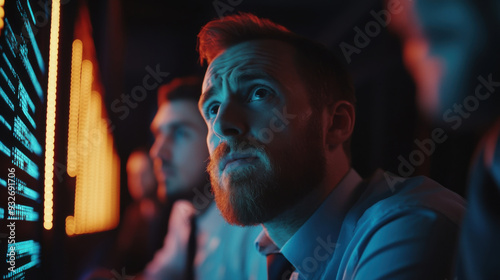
x: 341, y: 117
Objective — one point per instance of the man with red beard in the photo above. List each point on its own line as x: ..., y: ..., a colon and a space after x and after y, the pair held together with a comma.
x: 280, y: 113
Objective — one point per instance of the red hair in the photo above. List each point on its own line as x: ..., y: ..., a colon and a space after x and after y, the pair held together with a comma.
x: 323, y: 74
x: 218, y: 35
x: 184, y: 88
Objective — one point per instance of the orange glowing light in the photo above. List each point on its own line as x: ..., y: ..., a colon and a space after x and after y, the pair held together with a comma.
x: 92, y: 158
x: 97, y: 191
x: 76, y: 69
x: 2, y: 14
x: 51, y: 116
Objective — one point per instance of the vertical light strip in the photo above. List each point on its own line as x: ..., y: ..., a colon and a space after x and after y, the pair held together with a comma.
x: 100, y: 190
x: 70, y: 225
x: 51, y: 117
x: 82, y: 196
x: 93, y: 204
x: 116, y: 191
x: 2, y: 14
x: 74, y: 107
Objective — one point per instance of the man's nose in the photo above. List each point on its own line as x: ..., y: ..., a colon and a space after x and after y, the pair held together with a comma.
x: 161, y: 147
x: 230, y: 121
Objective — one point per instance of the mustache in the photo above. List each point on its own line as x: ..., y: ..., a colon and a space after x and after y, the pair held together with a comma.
x: 225, y: 148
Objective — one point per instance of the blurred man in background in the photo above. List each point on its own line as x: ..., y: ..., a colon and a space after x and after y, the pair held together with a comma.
x: 199, y: 243
x: 451, y: 48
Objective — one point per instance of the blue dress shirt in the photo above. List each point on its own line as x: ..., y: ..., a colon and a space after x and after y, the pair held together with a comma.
x: 223, y: 251
x: 387, y: 228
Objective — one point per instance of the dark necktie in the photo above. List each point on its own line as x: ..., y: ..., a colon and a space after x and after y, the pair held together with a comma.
x: 278, y: 267
x: 191, y: 250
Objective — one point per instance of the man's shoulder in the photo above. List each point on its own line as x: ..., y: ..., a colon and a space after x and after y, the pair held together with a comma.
x: 389, y: 195
x: 412, y: 220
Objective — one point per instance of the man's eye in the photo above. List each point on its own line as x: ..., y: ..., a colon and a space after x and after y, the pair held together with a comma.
x: 260, y: 93
x: 212, y: 110
x: 180, y: 133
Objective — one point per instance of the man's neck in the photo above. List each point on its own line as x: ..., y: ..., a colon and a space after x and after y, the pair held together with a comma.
x: 284, y: 226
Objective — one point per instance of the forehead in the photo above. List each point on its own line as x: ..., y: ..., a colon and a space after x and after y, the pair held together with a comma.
x: 177, y: 112
x: 271, y: 57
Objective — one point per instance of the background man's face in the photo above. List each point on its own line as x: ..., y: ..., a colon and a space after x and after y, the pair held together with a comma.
x: 441, y: 41
x: 180, y: 151
x: 265, y: 141
x: 140, y: 176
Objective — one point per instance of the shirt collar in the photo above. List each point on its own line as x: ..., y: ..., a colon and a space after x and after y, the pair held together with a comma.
x: 310, y: 248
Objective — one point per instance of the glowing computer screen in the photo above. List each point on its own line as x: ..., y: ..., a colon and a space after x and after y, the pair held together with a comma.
x: 23, y: 75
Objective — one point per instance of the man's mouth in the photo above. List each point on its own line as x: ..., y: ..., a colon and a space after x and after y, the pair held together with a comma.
x: 167, y: 171
x: 163, y: 171
x: 232, y: 161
